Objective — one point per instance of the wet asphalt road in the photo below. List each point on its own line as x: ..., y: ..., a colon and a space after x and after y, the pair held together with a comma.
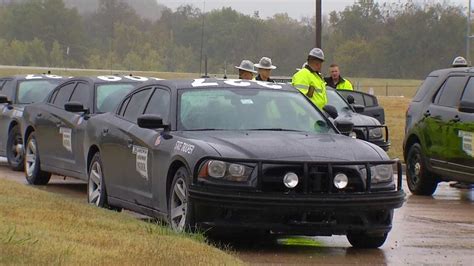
x: 426, y: 230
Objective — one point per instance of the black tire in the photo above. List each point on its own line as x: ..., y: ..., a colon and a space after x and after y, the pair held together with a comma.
x: 33, y: 173
x: 364, y: 240
x: 96, y: 190
x: 419, y: 180
x: 15, y: 151
x: 180, y: 208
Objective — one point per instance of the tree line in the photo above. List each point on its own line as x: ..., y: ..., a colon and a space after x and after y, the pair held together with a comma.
x: 366, y: 39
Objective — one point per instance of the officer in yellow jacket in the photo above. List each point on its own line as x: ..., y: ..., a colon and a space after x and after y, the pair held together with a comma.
x: 336, y: 81
x: 309, y: 81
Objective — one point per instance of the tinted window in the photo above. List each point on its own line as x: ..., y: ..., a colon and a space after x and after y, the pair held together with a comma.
x: 7, y: 88
x: 136, y: 104
x: 369, y: 101
x: 109, y: 95
x: 124, y: 105
x: 450, y: 93
x: 81, y: 94
x: 337, y: 101
x: 63, y: 95
x: 248, y: 109
x: 31, y: 91
x: 159, y: 105
x: 426, y: 87
x: 468, y: 94
x: 1, y: 84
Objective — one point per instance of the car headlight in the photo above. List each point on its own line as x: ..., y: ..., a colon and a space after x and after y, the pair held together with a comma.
x: 379, y: 173
x: 353, y: 135
x: 220, y: 170
x: 375, y: 133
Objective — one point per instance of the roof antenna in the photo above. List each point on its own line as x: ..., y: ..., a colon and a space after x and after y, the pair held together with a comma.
x: 206, y: 75
x: 225, y: 69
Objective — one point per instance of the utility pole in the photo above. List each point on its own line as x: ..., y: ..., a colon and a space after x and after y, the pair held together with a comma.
x: 468, y: 35
x: 318, y: 23
x: 202, y: 39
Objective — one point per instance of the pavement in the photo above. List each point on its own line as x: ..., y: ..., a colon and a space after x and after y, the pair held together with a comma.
x: 426, y: 230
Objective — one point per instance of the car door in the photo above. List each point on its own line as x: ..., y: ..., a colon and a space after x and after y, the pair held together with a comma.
x: 370, y: 103
x: 439, y: 119
x: 52, y: 135
x: 132, y: 179
x: 460, y: 135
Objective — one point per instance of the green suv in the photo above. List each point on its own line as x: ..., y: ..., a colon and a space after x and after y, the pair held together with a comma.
x: 439, y: 131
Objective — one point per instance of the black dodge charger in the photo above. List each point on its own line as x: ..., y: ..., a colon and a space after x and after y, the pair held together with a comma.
x: 235, y: 155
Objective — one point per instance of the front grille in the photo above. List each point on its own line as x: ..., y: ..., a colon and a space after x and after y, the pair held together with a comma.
x: 317, y: 179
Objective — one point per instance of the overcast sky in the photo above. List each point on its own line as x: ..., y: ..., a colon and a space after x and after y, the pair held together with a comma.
x: 266, y: 8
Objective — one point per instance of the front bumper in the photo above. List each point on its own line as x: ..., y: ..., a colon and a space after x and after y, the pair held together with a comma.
x: 296, y: 213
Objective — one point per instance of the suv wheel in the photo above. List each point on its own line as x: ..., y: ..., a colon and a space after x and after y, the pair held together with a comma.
x: 365, y: 240
x: 15, y: 151
x: 180, y: 208
x: 420, y: 180
x: 34, y: 174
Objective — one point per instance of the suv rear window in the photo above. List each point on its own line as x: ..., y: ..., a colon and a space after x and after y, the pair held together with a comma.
x: 450, y: 93
x: 425, y: 88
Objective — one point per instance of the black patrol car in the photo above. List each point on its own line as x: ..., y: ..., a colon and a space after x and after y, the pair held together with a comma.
x: 232, y: 155
x: 365, y: 127
x: 15, y: 93
x: 439, y: 131
x: 53, y: 131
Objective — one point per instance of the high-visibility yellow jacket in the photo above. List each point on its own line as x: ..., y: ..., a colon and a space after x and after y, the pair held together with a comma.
x: 343, y: 84
x: 306, y: 78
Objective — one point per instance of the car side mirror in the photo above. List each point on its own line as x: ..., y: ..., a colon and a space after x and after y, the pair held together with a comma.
x: 4, y: 99
x: 151, y: 122
x: 466, y: 107
x: 344, y: 126
x: 74, y: 107
x: 350, y: 99
x: 331, y: 111
x: 358, y: 108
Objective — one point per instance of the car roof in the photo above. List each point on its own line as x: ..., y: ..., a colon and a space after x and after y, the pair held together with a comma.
x: 36, y: 77
x: 446, y: 71
x: 179, y: 84
x: 114, y: 78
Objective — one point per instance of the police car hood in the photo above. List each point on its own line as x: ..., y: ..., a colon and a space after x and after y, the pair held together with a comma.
x: 291, y: 146
x: 358, y: 119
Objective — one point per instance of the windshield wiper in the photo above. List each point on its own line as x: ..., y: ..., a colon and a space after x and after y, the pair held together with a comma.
x: 273, y: 129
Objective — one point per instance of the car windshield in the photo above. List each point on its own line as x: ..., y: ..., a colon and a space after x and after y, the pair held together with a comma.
x: 109, y: 95
x: 248, y: 109
x: 337, y: 101
x: 32, y: 91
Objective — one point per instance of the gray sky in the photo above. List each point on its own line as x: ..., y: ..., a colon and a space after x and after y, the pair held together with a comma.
x: 266, y: 8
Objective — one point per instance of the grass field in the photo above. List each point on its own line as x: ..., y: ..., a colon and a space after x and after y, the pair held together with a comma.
x: 40, y: 228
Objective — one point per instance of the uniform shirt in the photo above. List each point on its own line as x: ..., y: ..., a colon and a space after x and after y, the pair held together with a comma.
x: 343, y: 84
x: 305, y: 78
x: 260, y: 78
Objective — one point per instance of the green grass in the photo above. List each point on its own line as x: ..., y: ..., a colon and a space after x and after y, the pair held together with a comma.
x: 40, y: 228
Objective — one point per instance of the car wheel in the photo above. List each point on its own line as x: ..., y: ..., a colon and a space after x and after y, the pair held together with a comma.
x: 15, y: 149
x: 420, y: 181
x: 96, y: 192
x: 180, y: 209
x: 34, y: 174
x: 364, y: 240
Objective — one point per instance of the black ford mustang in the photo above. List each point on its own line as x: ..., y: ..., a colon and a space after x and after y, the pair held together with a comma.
x: 15, y: 93
x: 237, y: 155
x: 54, y: 130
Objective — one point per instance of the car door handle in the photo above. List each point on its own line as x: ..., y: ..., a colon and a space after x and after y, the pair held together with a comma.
x: 456, y: 118
x: 39, y: 115
x: 130, y: 143
x: 105, y: 131
x: 427, y: 113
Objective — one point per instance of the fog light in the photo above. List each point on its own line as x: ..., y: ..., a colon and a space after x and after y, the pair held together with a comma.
x: 341, y: 180
x: 290, y: 180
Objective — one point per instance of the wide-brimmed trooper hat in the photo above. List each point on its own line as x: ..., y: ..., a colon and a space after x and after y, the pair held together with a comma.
x: 265, y: 63
x: 246, y: 65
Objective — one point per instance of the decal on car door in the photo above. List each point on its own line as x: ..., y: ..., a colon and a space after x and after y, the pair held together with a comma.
x: 66, y: 132
x: 141, y: 160
x: 467, y: 142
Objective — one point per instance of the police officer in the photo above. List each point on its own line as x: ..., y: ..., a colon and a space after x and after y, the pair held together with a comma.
x: 246, y: 70
x: 460, y: 62
x: 336, y: 81
x: 264, y: 69
x: 309, y: 81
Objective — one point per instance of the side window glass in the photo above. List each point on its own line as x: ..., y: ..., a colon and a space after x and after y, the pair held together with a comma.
x: 468, y: 94
x: 135, y: 105
x: 1, y: 84
x: 81, y: 94
x: 450, y: 93
x: 159, y: 104
x: 124, y: 106
x: 426, y: 87
x: 369, y: 101
x: 7, y: 89
x: 63, y: 95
